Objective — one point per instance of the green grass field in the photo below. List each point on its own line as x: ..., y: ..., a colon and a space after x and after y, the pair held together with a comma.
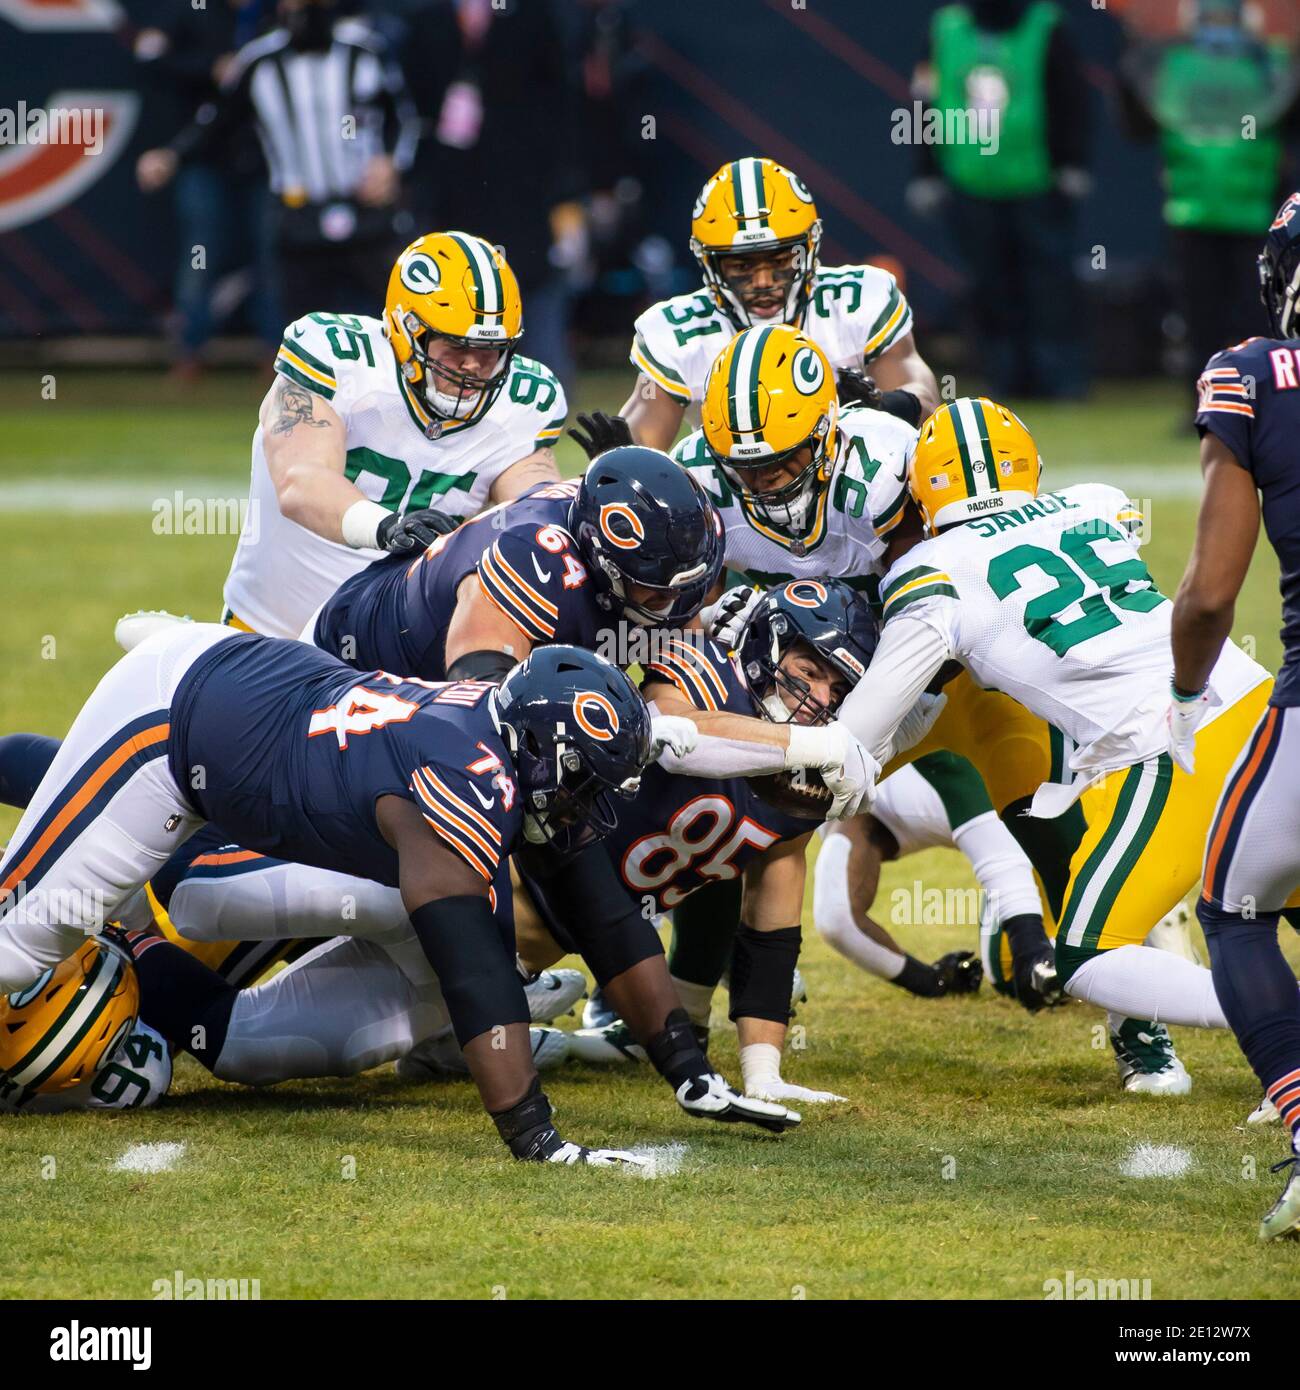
x: 980, y: 1152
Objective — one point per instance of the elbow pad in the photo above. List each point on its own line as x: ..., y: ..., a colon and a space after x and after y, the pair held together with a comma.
x: 482, y: 666
x: 477, y: 974
x: 762, y: 973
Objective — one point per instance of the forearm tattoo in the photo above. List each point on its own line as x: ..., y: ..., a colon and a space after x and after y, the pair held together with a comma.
x: 296, y: 406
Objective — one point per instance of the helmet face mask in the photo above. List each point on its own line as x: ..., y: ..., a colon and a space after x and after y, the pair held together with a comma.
x: 728, y: 275
x: 450, y: 293
x: 791, y: 507
x: 755, y: 208
x: 579, y: 736
x: 808, y: 631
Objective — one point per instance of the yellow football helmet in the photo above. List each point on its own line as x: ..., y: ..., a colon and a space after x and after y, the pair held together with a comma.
x: 58, y: 1032
x: 770, y: 395
x: 973, y: 457
x: 753, y: 207
x: 457, y: 287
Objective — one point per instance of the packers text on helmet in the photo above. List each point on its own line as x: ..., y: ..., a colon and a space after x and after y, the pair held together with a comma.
x: 973, y: 457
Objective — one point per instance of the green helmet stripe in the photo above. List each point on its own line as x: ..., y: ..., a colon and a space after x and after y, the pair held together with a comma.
x: 963, y: 447
x: 990, y: 466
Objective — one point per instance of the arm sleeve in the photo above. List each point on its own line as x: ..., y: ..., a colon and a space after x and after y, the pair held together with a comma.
x: 911, y: 650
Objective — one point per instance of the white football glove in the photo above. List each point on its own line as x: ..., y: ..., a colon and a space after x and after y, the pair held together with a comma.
x: 1183, y: 719
x: 595, y: 1158
x: 851, y: 777
x: 779, y: 1090
x: 673, y: 733
x: 760, y: 1067
x: 725, y: 620
x: 709, y: 1097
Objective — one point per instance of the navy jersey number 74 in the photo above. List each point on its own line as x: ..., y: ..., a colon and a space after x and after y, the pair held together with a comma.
x: 289, y: 750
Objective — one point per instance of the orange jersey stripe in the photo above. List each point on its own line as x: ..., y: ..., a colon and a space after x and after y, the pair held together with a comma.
x: 1230, y: 809
x: 539, y: 599
x: 236, y: 856
x: 78, y: 801
x: 435, y: 807
x: 440, y: 786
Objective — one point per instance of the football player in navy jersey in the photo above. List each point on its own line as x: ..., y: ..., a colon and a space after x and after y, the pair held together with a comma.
x: 423, y: 787
x: 637, y: 539
x: 804, y: 647
x: 1249, y: 421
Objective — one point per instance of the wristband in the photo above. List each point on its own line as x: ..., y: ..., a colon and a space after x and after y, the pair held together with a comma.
x: 360, y: 524
x: 813, y: 746
x: 902, y: 404
x: 760, y: 1066
x: 1182, y: 696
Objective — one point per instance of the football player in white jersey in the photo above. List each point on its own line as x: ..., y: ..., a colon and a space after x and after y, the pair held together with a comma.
x: 1044, y: 596
x: 756, y: 234
x: 380, y: 434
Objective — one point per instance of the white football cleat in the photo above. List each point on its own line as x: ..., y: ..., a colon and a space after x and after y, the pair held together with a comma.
x: 1144, y: 1053
x: 554, y: 992
x: 1283, y: 1219
x: 610, y: 1044
x: 1265, y: 1113
x: 1173, y: 933
x: 135, y: 627
x: 550, y: 1047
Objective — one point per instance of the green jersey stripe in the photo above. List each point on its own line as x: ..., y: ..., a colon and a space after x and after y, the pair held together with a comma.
x: 894, y: 606
x: 639, y: 345
x: 294, y: 346
x: 310, y: 383
x: 906, y: 578
x: 895, y: 294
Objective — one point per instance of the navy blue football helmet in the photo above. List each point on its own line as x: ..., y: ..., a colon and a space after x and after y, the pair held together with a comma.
x: 579, y: 734
x: 1279, y: 269
x: 825, y: 615
x: 650, y: 534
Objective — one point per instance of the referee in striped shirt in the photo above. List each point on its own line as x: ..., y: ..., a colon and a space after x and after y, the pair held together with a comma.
x: 338, y: 131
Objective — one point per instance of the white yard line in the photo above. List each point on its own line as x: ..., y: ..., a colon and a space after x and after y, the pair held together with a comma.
x: 150, y: 1158
x: 1156, y: 1161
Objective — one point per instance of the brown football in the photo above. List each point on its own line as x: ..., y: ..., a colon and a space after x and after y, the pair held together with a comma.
x: 800, y: 792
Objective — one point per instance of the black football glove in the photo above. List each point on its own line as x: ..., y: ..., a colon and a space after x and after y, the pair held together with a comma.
x: 1037, y: 985
x: 415, y: 531
x: 857, y: 388
x: 603, y: 432
x: 960, y: 972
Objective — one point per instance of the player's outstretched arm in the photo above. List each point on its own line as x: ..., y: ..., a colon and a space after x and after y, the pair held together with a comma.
x: 910, y: 655
x: 903, y: 370
x: 739, y: 745
x: 762, y: 972
x: 625, y: 955
x: 448, y: 906
x: 1226, y: 531
x: 538, y: 467
x: 652, y: 415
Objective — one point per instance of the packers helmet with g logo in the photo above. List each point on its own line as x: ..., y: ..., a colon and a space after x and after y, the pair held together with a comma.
x: 973, y: 457
x: 769, y: 416
x: 59, y: 1031
x: 753, y: 207
x: 458, y: 288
